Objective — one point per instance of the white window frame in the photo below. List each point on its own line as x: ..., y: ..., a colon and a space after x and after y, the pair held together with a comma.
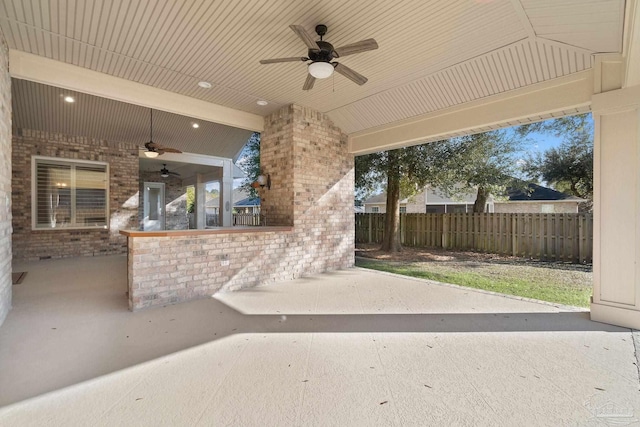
x: 375, y: 209
x: 66, y: 162
x: 403, y: 209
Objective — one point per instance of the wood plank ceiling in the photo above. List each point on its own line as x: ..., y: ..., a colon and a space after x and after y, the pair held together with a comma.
x: 433, y: 54
x: 42, y: 107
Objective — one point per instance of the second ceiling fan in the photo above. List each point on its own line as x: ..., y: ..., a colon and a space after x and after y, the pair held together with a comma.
x: 155, y: 149
x: 321, y: 54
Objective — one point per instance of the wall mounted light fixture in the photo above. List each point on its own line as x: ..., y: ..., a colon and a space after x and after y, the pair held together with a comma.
x: 264, y: 181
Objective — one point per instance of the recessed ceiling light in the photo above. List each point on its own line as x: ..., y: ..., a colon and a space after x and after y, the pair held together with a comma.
x: 261, y: 102
x: 204, y: 84
x: 69, y: 99
x: 195, y: 125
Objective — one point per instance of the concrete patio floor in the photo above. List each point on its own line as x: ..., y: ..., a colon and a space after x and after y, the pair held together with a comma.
x: 354, y: 347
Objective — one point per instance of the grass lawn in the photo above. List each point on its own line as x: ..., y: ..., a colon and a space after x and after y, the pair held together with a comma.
x: 557, y: 283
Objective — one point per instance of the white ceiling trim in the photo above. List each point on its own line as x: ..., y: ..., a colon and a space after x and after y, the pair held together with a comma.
x: 55, y: 73
x: 566, y: 95
x: 526, y: 62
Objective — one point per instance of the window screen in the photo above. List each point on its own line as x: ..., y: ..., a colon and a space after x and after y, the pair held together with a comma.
x: 70, y: 194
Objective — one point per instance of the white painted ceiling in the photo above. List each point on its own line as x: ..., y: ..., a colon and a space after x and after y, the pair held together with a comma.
x: 433, y: 54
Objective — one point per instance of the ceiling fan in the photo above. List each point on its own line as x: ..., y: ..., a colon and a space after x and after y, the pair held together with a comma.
x: 153, y: 149
x: 321, y: 55
x: 165, y: 173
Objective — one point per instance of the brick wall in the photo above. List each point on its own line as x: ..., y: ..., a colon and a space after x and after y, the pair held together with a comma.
x: 5, y: 181
x: 31, y: 244
x: 175, y: 199
x: 312, y: 184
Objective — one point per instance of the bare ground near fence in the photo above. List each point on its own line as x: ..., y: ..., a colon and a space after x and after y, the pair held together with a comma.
x: 556, y: 282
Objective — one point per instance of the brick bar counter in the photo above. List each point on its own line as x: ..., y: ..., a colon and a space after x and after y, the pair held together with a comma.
x: 166, y: 267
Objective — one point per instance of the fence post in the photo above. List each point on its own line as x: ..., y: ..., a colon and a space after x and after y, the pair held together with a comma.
x: 445, y: 230
x: 370, y: 226
x: 514, y: 235
x: 581, y: 244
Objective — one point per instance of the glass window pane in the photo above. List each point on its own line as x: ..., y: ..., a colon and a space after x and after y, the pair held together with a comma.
x: 70, y: 194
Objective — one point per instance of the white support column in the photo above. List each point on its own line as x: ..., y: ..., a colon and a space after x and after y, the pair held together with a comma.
x: 616, y: 235
x: 226, y: 194
x: 201, y: 201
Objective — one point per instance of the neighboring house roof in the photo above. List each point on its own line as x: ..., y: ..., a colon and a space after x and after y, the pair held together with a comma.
x: 536, y: 192
x: 248, y: 202
x: 380, y: 198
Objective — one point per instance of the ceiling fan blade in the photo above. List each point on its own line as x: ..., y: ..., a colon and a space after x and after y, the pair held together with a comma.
x: 150, y: 145
x: 304, y: 36
x: 350, y: 74
x: 170, y: 150
x: 357, y: 47
x: 276, y: 60
x: 308, y: 84
x: 174, y: 173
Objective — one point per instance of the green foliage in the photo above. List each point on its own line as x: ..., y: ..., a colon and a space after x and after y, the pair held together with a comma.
x: 456, y: 166
x: 569, y: 167
x: 482, y: 162
x: 249, y: 162
x: 408, y: 165
x: 191, y: 199
x: 559, y: 127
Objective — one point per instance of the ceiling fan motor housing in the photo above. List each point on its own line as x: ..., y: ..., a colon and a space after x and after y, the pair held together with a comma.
x: 324, y: 54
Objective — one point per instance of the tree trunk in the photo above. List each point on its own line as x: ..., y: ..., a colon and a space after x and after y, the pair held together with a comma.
x: 391, y: 238
x: 481, y: 200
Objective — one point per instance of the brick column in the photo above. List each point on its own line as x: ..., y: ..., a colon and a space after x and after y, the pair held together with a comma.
x: 312, y: 185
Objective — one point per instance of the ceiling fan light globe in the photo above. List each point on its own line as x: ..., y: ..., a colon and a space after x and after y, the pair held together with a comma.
x: 151, y: 154
x: 164, y: 175
x: 320, y: 69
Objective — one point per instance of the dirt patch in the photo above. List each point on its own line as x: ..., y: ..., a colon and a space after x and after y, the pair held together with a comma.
x: 460, y: 258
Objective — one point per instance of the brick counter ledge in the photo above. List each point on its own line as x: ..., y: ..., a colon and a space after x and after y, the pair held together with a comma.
x: 167, y: 267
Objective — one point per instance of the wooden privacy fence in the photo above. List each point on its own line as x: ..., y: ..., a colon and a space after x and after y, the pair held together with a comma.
x: 559, y: 237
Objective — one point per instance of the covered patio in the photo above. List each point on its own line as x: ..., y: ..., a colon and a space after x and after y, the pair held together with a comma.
x: 353, y: 347
x: 324, y: 343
